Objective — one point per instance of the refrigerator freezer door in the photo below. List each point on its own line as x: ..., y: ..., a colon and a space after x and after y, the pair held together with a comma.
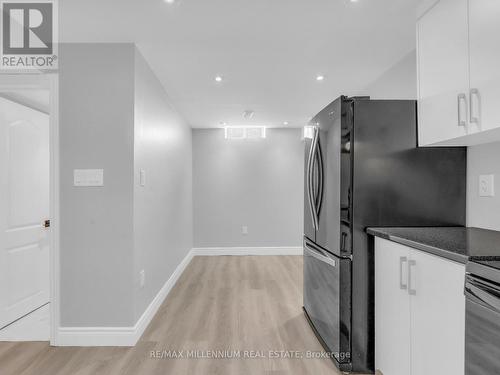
x: 327, y: 297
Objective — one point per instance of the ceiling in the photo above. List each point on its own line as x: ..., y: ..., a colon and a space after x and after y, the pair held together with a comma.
x: 269, y: 52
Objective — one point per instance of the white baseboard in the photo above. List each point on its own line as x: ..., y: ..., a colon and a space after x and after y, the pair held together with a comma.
x: 242, y: 251
x: 120, y: 336
x: 96, y: 336
x: 128, y: 336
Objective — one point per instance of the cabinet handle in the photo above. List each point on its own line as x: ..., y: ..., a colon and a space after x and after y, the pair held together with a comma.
x: 461, y: 98
x: 411, y: 291
x: 402, y: 285
x: 474, y: 93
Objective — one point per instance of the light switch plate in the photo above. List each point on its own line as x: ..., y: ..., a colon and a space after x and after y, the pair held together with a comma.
x: 88, y: 177
x: 487, y: 185
x: 244, y: 230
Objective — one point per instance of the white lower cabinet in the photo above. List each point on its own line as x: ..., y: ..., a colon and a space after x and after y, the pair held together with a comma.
x: 419, y: 312
x: 392, y: 308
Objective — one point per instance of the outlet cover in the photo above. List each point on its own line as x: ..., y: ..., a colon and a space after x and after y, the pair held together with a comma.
x: 487, y: 185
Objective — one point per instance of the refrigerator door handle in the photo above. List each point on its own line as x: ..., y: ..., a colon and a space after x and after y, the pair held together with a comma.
x: 310, y: 177
x: 321, y: 178
x: 319, y: 255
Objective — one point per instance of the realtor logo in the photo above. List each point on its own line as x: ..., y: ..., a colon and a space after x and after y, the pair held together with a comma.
x: 28, y: 34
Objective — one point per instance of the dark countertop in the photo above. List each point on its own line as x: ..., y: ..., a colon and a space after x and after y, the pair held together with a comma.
x: 456, y: 243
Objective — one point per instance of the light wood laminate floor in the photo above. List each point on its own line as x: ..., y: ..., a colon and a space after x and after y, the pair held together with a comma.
x: 219, y: 303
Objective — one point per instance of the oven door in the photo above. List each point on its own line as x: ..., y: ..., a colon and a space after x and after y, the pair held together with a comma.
x: 327, y: 299
x: 482, y: 327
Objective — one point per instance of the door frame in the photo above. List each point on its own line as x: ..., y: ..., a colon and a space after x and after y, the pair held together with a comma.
x: 50, y: 82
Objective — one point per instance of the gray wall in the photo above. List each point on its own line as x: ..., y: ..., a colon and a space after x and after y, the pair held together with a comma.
x: 257, y: 183
x: 115, y: 115
x: 97, y: 131
x: 163, y: 223
x: 483, y: 212
x: 399, y: 82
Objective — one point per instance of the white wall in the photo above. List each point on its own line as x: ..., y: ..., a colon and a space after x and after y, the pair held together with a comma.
x: 483, y: 212
x: 163, y: 223
x: 97, y: 131
x: 257, y: 183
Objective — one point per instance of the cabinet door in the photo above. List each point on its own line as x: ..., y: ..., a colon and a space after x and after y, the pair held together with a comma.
x: 437, y: 315
x: 443, y: 69
x: 484, y: 28
x: 392, y: 308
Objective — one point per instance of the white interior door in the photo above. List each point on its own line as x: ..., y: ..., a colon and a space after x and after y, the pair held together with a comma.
x: 443, y: 71
x: 24, y: 206
x: 484, y: 29
x: 392, y: 308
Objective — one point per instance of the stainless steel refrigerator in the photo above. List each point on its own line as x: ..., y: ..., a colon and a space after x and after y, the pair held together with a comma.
x: 363, y: 169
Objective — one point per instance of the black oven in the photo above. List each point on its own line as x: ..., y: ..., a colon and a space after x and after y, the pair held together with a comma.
x: 482, y: 325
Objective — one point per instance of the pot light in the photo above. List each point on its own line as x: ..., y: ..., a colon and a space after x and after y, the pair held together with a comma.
x: 218, y: 78
x: 320, y: 78
x: 285, y: 123
x: 170, y: 1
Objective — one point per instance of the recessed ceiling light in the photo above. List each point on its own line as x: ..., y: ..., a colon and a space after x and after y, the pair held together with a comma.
x: 170, y: 1
x: 285, y: 123
x: 218, y: 78
x: 320, y: 78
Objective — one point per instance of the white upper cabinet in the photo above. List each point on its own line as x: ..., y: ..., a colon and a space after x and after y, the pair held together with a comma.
x: 442, y: 54
x: 458, y: 76
x: 484, y: 31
